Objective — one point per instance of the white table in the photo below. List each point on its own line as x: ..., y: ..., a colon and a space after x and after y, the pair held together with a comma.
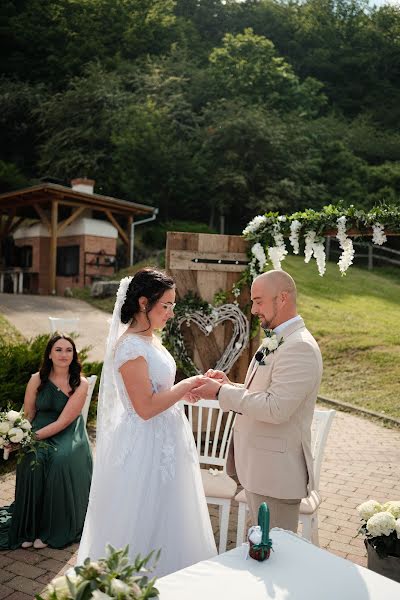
x: 296, y: 570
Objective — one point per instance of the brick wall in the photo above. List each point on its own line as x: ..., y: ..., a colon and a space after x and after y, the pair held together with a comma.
x: 86, y: 243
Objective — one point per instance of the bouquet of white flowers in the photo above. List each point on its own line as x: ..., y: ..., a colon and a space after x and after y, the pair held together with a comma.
x: 16, y: 434
x: 381, y: 526
x: 106, y: 579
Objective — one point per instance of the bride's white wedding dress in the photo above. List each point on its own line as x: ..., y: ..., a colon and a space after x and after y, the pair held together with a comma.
x: 148, y: 492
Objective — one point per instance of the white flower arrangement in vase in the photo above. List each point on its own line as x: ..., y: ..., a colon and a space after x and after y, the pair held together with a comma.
x: 381, y: 526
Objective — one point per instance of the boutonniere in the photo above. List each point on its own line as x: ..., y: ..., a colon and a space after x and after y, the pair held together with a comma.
x: 269, y: 344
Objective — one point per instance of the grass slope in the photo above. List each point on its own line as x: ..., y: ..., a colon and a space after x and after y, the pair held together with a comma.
x: 356, y: 321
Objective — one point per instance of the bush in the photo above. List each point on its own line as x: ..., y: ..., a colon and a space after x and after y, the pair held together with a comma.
x: 18, y: 361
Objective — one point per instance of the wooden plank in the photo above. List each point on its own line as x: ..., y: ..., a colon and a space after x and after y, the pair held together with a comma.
x: 70, y: 219
x: 43, y: 216
x: 121, y: 232
x: 186, y: 260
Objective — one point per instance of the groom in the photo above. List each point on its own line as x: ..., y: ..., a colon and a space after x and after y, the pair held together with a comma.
x: 275, y: 405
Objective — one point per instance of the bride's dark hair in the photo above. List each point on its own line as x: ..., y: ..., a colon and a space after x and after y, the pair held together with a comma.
x: 149, y: 283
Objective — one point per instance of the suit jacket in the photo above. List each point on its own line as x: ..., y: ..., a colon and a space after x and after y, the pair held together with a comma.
x: 272, y: 435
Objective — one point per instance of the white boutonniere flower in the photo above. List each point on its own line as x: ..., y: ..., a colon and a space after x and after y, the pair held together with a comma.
x: 269, y: 344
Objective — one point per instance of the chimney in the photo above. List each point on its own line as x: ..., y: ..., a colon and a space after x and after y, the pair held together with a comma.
x: 83, y: 185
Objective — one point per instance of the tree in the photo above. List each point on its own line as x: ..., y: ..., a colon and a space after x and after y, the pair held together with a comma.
x: 247, y: 66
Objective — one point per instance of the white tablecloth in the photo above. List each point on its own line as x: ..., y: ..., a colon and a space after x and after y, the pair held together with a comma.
x: 296, y: 570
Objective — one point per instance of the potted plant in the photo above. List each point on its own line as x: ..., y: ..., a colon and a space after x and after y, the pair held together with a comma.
x: 108, y: 578
x: 381, y: 527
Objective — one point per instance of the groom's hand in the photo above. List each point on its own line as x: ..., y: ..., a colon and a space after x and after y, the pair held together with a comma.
x: 217, y: 376
x: 208, y: 390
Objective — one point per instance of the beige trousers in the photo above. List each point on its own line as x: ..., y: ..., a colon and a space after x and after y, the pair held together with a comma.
x: 283, y: 513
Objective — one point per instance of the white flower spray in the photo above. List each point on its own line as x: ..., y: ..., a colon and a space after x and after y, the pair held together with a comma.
x: 295, y: 227
x: 347, y: 256
x: 379, y: 237
x: 277, y: 253
x: 254, y: 225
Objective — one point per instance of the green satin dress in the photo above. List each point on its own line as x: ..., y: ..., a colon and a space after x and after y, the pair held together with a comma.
x: 50, y: 499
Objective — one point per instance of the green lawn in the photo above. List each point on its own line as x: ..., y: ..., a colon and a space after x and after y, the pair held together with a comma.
x: 356, y: 320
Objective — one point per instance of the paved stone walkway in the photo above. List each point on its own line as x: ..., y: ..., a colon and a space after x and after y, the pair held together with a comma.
x: 362, y: 460
x: 29, y: 314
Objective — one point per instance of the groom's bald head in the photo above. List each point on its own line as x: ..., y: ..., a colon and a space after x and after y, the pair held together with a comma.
x: 274, y: 297
x: 277, y: 282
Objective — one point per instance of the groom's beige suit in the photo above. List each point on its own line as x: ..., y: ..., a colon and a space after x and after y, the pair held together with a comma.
x: 275, y: 406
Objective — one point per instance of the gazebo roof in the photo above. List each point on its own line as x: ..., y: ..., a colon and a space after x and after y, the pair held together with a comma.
x: 21, y: 201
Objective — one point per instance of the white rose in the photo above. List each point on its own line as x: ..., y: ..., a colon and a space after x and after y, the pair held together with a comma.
x: 98, y: 595
x: 393, y: 506
x: 5, y: 426
x: 397, y: 527
x: 59, y: 586
x: 382, y: 523
x: 369, y: 508
x: 13, y: 415
x: 136, y: 590
x: 26, y: 425
x: 271, y: 343
x: 2, y: 442
x: 15, y: 435
x: 119, y: 587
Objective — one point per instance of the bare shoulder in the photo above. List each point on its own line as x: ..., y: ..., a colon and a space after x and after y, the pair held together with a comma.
x: 84, y: 381
x: 35, y: 380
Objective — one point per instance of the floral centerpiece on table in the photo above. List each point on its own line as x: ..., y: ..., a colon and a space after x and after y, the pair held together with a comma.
x: 112, y: 577
x: 381, y: 526
x: 16, y: 434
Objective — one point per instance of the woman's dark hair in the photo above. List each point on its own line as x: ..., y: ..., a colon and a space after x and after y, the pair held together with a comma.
x: 47, y: 364
x: 148, y: 283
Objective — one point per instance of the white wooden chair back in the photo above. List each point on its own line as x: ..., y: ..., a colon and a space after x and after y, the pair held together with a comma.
x: 66, y: 325
x: 85, y: 410
x: 213, y: 449
x: 320, y: 427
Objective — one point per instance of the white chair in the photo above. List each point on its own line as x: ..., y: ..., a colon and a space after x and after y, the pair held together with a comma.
x: 219, y: 488
x: 320, y: 427
x: 67, y: 325
x: 85, y: 410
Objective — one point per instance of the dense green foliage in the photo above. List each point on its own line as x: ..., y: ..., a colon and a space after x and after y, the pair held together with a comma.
x: 204, y: 107
x: 19, y: 359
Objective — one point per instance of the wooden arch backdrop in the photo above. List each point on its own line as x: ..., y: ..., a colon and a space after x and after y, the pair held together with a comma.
x: 204, y: 264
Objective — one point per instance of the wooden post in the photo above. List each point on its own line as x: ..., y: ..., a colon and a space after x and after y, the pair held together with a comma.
x: 328, y: 247
x: 370, y: 257
x: 53, y: 246
x: 130, y: 246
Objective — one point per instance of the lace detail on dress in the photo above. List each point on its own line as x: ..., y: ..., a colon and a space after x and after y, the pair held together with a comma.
x: 128, y: 348
x: 161, y: 368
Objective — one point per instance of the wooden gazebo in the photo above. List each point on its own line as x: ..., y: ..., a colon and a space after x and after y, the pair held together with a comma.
x: 58, y: 206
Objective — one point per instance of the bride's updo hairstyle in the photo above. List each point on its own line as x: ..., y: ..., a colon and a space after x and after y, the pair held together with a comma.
x: 148, y: 283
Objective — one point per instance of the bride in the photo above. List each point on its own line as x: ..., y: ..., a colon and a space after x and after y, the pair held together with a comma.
x: 146, y: 488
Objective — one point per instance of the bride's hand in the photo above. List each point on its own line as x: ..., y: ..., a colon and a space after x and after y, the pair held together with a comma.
x: 217, y: 376
x: 191, y: 383
x: 191, y: 398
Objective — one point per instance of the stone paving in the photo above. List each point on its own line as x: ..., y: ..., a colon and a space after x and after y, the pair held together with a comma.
x: 362, y: 461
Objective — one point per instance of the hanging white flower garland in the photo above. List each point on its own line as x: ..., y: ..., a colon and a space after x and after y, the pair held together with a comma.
x: 267, y: 232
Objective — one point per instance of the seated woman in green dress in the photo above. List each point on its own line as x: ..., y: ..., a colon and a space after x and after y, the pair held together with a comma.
x: 51, y: 498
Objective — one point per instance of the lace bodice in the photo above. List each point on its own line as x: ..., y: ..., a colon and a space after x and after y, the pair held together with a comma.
x: 160, y: 363
x: 162, y: 427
